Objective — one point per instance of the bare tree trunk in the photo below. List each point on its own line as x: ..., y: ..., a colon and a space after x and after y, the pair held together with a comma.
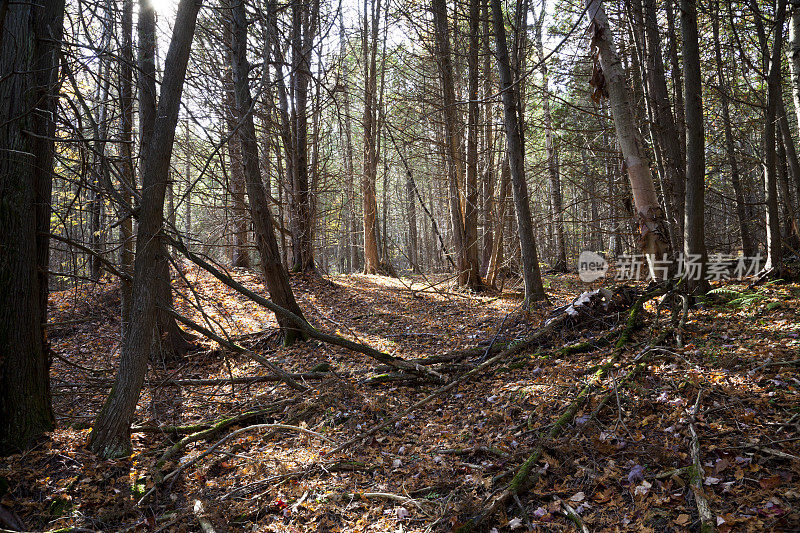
x: 369, y: 48
x: 794, y: 59
x: 790, y: 223
x: 609, y: 80
x: 791, y: 148
x: 488, y: 144
x: 774, y: 94
x: 496, y: 257
x: 29, y: 82
x: 110, y: 436
x: 99, y: 162
x: 285, y: 123
x: 170, y: 342
x: 471, y: 185
x: 534, y: 290
x: 276, y: 278
x: 748, y: 249
x: 349, y: 222
x: 468, y: 271
x: 675, y: 68
x: 127, y: 172
x: 304, y: 21
x: 694, y: 227
x: 236, y: 184
x: 664, y: 127
x: 556, y: 203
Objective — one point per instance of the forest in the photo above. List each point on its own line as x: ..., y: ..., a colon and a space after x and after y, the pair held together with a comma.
x: 399, y: 265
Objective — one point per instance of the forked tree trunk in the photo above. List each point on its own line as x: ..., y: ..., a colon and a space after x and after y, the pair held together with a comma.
x: 276, y: 278
x: 304, y: 23
x: 534, y: 290
x: 29, y: 80
x: 170, y: 341
x: 467, y: 265
x: 610, y: 80
x: 110, y: 436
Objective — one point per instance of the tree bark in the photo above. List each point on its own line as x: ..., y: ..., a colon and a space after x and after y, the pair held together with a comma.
x: 127, y: 171
x: 794, y: 59
x: 304, y: 20
x: 110, y: 436
x: 467, y: 265
x: 664, y: 126
x: 169, y: 343
x: 236, y: 180
x: 791, y: 150
x: 609, y: 80
x: 473, y: 126
x: 369, y: 48
x: 534, y: 290
x: 694, y: 226
x: 276, y: 278
x: 29, y: 83
x: 774, y: 94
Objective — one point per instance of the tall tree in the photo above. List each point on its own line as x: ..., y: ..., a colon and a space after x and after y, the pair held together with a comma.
x: 609, y: 80
x: 794, y: 58
x: 170, y: 341
x: 467, y: 265
x: 473, y: 128
x: 304, y: 23
x: 748, y: 248
x: 29, y: 81
x: 556, y: 201
x: 276, y: 277
x: 774, y: 94
x: 126, y: 149
x: 664, y: 127
x: 369, y: 51
x: 236, y: 178
x: 515, y: 145
x: 694, y: 226
x: 110, y: 436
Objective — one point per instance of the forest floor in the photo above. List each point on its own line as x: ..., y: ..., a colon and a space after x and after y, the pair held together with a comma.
x: 622, y: 470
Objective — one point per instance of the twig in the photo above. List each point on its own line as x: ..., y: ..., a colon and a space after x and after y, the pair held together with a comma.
x: 546, y: 330
x: 225, y: 439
